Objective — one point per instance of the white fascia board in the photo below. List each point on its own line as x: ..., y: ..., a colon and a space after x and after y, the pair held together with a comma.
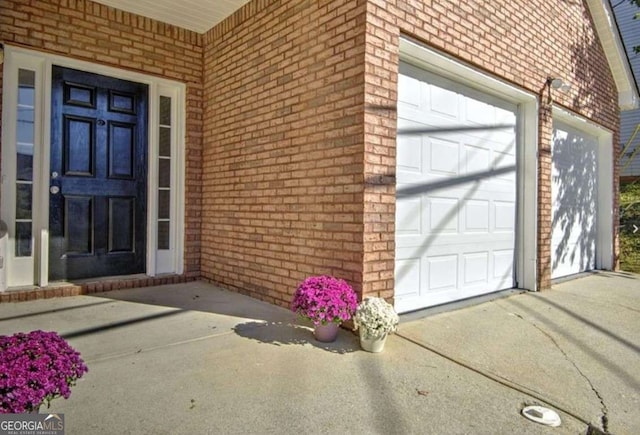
x: 607, y: 30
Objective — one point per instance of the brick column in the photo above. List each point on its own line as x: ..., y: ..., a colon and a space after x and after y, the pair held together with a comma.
x: 617, y: 150
x: 545, y: 133
x: 380, y: 99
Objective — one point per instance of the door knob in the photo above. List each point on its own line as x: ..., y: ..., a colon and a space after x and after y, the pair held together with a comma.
x: 54, y: 189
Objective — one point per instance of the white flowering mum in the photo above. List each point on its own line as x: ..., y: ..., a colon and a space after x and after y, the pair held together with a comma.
x: 375, y: 318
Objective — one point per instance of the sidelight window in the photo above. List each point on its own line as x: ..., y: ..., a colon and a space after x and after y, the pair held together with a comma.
x: 25, y: 134
x: 164, y: 174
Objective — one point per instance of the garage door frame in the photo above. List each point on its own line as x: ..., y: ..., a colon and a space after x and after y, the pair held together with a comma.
x: 526, y: 135
x: 604, y: 217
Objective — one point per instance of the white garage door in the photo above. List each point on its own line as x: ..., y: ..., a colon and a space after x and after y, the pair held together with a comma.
x: 574, y: 191
x: 456, y: 192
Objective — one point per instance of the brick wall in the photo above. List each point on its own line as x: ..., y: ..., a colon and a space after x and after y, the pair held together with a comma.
x: 291, y: 116
x: 520, y: 42
x: 283, y: 146
x: 96, y: 33
x: 278, y: 102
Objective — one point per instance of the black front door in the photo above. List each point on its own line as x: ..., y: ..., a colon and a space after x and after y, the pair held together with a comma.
x: 97, y: 199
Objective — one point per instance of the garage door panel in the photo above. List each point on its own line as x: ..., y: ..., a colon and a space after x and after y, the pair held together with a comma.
x: 409, y: 91
x: 504, y: 216
x: 574, y: 201
x: 443, y: 101
x: 476, y: 214
x: 440, y: 216
x: 443, y: 215
x: 409, y: 155
x: 504, y: 160
x: 504, y: 174
x: 451, y: 275
x: 475, y: 268
x: 479, y: 112
x: 442, y: 272
x: 477, y: 159
x: 408, y: 273
x: 444, y: 157
x: 505, y: 117
x: 573, y: 231
x: 409, y: 216
x: 455, y: 216
x: 571, y: 257
x: 503, y: 139
x: 503, y: 265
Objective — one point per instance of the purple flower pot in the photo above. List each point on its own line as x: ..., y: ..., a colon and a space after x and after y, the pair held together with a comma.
x: 326, y: 333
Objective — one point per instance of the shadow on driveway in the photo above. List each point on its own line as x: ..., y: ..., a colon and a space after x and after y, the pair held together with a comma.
x: 286, y: 334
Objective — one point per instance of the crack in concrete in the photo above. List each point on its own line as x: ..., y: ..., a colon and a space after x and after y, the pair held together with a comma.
x: 605, y: 411
x: 152, y: 348
x: 505, y: 382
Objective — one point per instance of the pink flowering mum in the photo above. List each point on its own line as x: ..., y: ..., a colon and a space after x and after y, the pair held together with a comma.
x: 324, y: 299
x: 34, y: 368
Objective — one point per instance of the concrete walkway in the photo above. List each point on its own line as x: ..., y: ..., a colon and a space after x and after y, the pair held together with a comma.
x: 193, y: 359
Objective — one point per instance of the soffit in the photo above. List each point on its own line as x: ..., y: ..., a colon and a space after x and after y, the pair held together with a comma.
x: 615, y: 52
x: 196, y: 15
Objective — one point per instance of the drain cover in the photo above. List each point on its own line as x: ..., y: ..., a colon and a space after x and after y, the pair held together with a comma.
x: 542, y: 415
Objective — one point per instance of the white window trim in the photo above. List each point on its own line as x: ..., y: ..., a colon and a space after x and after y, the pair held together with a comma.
x: 604, y: 217
x: 164, y: 261
x: 20, y: 271
x: 36, y: 273
x: 527, y: 156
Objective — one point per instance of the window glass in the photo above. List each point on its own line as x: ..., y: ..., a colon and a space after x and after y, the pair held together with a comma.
x: 25, y: 139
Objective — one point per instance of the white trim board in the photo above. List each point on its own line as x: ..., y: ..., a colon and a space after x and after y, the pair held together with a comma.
x: 527, y: 131
x: 36, y: 273
x: 615, y: 53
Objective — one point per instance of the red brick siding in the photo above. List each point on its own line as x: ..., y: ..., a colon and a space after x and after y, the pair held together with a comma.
x: 96, y: 33
x: 520, y: 42
x: 381, y: 84
x: 545, y: 135
x: 283, y: 146
x: 291, y: 116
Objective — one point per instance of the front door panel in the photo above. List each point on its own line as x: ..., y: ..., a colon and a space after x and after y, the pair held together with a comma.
x: 97, y: 208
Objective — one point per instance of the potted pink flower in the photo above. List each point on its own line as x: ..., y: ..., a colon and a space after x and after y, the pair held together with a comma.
x: 326, y: 301
x: 36, y: 367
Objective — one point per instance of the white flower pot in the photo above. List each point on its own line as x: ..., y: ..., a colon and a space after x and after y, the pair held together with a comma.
x: 372, y: 344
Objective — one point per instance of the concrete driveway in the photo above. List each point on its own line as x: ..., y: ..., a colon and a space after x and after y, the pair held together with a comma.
x: 191, y: 358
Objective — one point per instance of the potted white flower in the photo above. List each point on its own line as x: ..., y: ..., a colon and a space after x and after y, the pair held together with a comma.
x: 375, y: 318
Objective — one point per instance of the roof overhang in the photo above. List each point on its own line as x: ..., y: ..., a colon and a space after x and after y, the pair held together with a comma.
x: 202, y: 15
x: 196, y: 15
x: 603, y: 19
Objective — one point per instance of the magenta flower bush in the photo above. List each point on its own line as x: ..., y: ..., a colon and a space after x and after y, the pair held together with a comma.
x: 36, y: 367
x: 324, y: 299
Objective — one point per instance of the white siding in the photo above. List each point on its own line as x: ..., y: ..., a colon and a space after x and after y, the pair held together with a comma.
x: 630, y: 31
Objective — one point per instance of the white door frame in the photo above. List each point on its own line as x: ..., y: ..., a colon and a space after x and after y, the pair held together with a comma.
x: 34, y: 270
x: 526, y: 154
